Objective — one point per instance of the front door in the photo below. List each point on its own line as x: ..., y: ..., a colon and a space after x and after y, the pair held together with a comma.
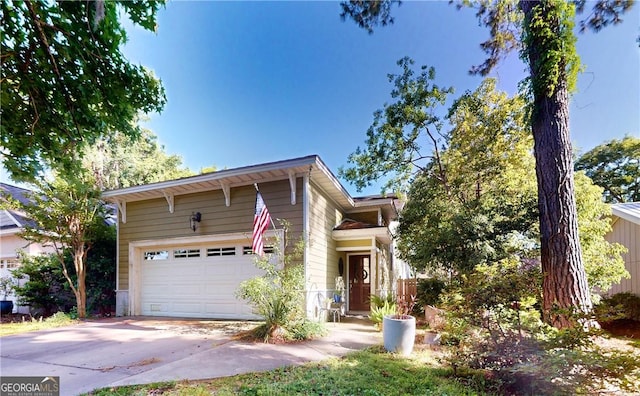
x: 359, y: 282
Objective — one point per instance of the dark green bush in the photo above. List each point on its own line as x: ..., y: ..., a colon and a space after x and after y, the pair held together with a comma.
x: 429, y: 291
x: 619, y: 306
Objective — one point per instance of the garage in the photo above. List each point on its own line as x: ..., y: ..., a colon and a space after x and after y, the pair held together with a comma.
x: 195, y: 281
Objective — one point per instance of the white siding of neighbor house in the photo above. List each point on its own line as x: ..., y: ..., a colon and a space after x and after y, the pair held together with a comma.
x: 151, y: 219
x: 627, y: 233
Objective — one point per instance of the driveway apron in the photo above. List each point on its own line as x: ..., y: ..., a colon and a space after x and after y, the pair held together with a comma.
x: 125, y: 351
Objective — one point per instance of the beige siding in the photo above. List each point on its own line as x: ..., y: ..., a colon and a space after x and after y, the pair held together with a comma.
x: 322, y: 262
x: 151, y: 219
x: 355, y: 243
x: 627, y: 234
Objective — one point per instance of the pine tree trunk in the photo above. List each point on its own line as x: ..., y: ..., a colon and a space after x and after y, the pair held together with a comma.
x: 565, y: 284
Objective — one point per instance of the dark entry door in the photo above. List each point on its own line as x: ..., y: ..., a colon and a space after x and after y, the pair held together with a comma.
x: 359, y: 282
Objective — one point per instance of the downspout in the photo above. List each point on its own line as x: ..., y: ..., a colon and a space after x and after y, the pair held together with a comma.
x: 306, y: 231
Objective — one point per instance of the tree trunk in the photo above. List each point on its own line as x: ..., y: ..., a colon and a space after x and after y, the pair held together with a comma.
x: 565, y: 286
x: 81, y: 290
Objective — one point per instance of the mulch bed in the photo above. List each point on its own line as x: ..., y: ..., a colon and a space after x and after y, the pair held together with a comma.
x: 623, y: 328
x: 15, y: 318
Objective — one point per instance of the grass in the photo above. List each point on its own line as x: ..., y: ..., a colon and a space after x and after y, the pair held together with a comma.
x: 368, y: 372
x: 58, y: 320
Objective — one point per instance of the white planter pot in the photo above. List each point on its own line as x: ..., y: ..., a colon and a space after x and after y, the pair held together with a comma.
x: 399, y: 334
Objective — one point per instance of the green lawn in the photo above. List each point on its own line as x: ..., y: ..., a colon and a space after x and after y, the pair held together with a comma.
x: 369, y: 372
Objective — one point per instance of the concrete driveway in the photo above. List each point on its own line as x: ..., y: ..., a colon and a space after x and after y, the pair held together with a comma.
x: 125, y: 351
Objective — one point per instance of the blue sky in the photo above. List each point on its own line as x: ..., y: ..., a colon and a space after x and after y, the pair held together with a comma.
x: 253, y: 82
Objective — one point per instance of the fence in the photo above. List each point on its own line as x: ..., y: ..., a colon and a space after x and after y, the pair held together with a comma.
x: 406, y: 288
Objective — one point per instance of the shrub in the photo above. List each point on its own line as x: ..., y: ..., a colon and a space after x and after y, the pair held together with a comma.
x: 277, y: 296
x: 619, y: 306
x: 379, y: 312
x: 380, y: 301
x: 429, y: 291
x: 494, y: 324
x: 46, y: 290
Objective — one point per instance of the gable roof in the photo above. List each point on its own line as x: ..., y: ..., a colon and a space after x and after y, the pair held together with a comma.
x: 310, y: 165
x: 629, y: 211
x: 12, y: 220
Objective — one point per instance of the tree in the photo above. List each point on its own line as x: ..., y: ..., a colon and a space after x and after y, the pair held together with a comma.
x: 482, y: 208
x: 119, y: 161
x: 543, y: 32
x: 476, y: 201
x: 65, y: 81
x: 68, y: 215
x: 614, y: 166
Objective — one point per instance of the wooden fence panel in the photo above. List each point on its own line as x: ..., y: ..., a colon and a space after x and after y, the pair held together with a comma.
x: 406, y: 288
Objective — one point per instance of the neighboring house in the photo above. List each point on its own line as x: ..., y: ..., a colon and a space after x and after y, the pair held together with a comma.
x: 168, y: 267
x: 626, y: 231
x: 12, y: 222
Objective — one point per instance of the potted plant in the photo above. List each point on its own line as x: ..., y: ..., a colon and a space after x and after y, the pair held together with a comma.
x: 399, y: 329
x: 6, y: 287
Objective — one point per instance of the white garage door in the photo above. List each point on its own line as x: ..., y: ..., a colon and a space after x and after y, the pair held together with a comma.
x: 196, y: 282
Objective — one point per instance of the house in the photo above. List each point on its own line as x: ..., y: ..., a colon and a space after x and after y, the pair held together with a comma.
x: 184, y: 245
x: 626, y: 231
x: 12, y: 222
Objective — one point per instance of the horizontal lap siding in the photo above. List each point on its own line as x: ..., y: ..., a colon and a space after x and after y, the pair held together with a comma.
x: 627, y: 234
x: 151, y: 219
x: 322, y: 262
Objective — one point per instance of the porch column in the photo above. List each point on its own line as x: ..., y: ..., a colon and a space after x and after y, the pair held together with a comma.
x: 374, y: 270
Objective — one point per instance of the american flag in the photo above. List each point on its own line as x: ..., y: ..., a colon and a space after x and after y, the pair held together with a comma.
x: 261, y: 221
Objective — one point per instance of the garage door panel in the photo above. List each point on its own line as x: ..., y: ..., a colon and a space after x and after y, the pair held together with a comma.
x: 196, y: 286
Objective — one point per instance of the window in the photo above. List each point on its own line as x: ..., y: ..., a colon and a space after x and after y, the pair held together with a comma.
x: 186, y: 253
x: 9, y: 263
x: 221, y: 251
x: 247, y: 250
x: 156, y: 255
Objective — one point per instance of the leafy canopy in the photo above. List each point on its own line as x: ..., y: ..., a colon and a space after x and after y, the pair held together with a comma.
x: 68, y: 215
x: 120, y: 161
x: 614, y: 166
x: 64, y: 79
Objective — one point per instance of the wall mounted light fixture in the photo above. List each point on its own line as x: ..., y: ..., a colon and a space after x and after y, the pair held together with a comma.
x: 194, y: 220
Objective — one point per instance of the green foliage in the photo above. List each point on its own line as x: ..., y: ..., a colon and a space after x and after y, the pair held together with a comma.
x: 379, y: 301
x: 614, y: 166
x: 68, y: 215
x: 479, y: 204
x: 277, y: 295
x: 378, y: 312
x: 400, y: 131
x: 476, y: 200
x: 101, y: 272
x: 307, y: 329
x: 66, y: 81
x: 619, y: 306
x: 493, y: 323
x: 548, y: 33
x: 602, y: 260
x: 7, y: 286
x: 46, y: 290
x: 429, y: 291
x: 118, y: 160
x: 546, y: 42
